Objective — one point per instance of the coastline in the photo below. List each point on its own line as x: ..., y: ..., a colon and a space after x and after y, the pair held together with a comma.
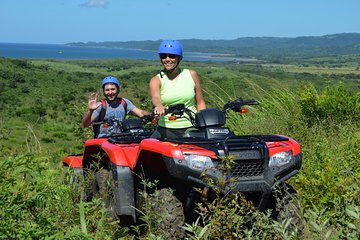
x: 70, y: 52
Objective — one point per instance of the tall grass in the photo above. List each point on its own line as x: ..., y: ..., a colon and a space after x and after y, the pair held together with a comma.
x: 326, y: 123
x: 37, y: 203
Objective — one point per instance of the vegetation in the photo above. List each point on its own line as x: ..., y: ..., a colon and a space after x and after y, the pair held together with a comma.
x: 258, y: 47
x: 43, y: 102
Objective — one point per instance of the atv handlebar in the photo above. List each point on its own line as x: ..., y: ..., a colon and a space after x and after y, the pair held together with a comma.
x: 109, y: 121
x: 174, y: 110
x: 149, y: 118
x: 178, y: 110
x: 128, y: 126
x: 237, y: 104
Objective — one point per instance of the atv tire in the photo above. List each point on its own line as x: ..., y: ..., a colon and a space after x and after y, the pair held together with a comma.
x: 104, y: 185
x: 90, y: 186
x: 103, y: 178
x: 165, y: 212
x: 288, y: 209
x: 75, y: 178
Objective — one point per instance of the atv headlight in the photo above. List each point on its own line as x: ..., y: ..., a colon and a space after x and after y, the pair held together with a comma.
x: 198, y: 162
x: 281, y: 159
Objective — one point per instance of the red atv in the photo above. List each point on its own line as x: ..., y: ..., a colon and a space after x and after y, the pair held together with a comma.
x: 106, y: 165
x: 259, y: 168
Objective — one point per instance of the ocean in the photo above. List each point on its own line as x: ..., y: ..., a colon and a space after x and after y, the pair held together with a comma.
x: 64, y: 52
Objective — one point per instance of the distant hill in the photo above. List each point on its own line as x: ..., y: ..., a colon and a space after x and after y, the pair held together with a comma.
x: 307, y: 46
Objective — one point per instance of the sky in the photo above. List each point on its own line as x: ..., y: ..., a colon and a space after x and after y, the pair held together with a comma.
x: 64, y: 21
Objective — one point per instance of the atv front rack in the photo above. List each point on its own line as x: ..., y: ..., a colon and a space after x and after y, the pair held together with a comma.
x: 229, y: 140
x: 123, y: 138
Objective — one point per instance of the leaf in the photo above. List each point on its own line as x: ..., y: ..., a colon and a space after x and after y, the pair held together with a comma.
x: 82, y: 216
x: 203, y: 231
x: 352, y: 226
x: 316, y: 226
x: 352, y: 214
x: 327, y: 234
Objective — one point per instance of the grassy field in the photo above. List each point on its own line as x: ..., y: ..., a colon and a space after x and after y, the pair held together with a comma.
x: 43, y: 102
x: 314, y: 69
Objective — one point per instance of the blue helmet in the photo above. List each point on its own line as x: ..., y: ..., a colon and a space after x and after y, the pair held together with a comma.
x: 110, y: 79
x: 171, y: 47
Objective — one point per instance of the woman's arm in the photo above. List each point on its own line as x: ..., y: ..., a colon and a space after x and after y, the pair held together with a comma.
x: 200, y: 102
x: 155, y: 85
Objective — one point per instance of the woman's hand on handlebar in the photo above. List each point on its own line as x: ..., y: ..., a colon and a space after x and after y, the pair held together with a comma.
x: 153, y: 118
x: 160, y: 110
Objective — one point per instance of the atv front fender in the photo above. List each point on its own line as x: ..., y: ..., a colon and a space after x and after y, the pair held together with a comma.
x: 124, y: 191
x: 74, y: 161
x: 121, y: 155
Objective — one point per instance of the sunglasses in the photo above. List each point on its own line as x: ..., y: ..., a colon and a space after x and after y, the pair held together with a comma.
x: 164, y: 55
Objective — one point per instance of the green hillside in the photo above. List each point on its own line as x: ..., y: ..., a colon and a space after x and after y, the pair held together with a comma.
x: 51, y: 93
x: 259, y: 47
x: 43, y: 102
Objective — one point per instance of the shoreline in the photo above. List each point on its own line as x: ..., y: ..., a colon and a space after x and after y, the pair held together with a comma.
x: 71, y: 52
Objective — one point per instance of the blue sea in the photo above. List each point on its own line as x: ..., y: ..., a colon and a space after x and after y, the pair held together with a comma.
x: 64, y: 52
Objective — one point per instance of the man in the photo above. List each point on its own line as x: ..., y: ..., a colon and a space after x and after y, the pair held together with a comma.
x: 111, y: 107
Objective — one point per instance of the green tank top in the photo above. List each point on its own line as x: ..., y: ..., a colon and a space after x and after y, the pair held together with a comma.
x: 180, y: 90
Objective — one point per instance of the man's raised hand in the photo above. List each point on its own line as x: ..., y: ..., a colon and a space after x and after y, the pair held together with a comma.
x: 93, y: 101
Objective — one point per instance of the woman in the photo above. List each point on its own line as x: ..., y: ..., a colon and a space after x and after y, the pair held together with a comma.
x: 174, y: 85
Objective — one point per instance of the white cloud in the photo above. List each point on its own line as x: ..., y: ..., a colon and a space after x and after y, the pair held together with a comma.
x: 95, y: 4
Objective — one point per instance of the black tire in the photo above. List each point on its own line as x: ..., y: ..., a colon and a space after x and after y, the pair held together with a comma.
x: 103, y: 178
x: 105, y: 191
x: 90, y: 185
x: 75, y: 178
x: 288, y: 208
x: 165, y: 212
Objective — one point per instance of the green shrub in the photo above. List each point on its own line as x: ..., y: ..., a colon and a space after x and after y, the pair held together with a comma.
x: 37, y: 203
x: 332, y: 104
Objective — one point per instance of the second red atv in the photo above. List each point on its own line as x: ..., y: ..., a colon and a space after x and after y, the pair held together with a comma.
x: 261, y: 164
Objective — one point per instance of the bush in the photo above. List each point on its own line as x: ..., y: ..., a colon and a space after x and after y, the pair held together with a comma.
x: 37, y: 203
x: 332, y: 104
